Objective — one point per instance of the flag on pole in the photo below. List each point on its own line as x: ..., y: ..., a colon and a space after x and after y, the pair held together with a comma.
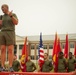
x: 55, y: 53
x: 41, y: 53
x: 23, y: 59
x: 54, y: 47
x: 56, y: 50
x: 59, y: 46
x: 66, y: 48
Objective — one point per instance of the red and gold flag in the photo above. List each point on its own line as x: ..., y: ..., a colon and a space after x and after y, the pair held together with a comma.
x: 24, y: 56
x: 56, y: 50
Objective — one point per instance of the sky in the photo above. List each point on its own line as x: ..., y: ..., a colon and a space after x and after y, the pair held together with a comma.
x: 46, y: 16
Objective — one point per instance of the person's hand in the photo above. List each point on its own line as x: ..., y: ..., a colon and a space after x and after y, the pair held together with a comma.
x: 10, y: 13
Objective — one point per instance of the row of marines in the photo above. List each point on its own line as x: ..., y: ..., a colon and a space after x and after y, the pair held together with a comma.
x: 64, y: 65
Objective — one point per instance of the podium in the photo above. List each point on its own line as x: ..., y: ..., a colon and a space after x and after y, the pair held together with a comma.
x: 35, y: 73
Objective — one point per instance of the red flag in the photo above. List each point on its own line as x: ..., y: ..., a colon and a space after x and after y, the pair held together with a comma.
x: 66, y: 48
x: 56, y: 50
x: 75, y: 49
x: 55, y: 53
x: 24, y: 56
x: 59, y: 46
x: 54, y: 45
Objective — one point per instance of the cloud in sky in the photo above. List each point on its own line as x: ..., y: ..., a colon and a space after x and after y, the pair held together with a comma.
x: 46, y: 16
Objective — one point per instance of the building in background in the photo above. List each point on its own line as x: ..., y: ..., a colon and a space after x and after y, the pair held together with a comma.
x: 48, y: 41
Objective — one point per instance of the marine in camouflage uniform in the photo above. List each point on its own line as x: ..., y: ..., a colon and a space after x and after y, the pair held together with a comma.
x: 61, y: 63
x: 71, y: 63
x: 47, y: 66
x: 30, y: 66
x: 16, y: 64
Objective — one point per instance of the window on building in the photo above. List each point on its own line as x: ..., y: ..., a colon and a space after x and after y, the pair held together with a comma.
x: 63, y: 45
x: 21, y: 46
x: 37, y: 57
x: 32, y: 47
x: 50, y: 46
x: 15, y: 49
x: 37, y: 46
x: 32, y: 57
x: 45, y: 46
x: 50, y: 57
x: 71, y: 45
x: 19, y: 56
